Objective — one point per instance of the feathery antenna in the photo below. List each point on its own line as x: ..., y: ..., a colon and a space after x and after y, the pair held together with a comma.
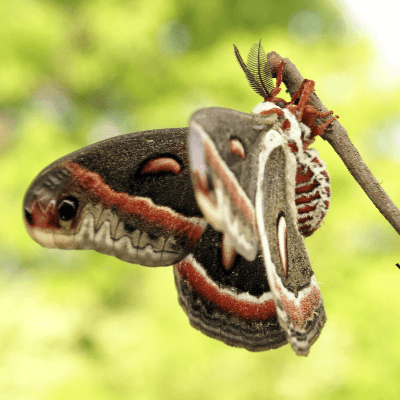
x: 258, y: 69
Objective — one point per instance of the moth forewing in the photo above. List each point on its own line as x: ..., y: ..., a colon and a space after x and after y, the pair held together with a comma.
x: 297, y: 297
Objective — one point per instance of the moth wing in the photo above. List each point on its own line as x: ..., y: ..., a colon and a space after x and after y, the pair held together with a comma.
x: 222, y: 145
x: 297, y: 297
x: 228, y: 298
x: 130, y: 197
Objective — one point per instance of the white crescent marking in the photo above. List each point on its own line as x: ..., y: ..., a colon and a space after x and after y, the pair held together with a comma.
x: 282, y: 245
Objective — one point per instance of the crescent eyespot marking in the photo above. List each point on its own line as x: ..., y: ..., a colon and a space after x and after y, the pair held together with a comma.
x: 161, y: 164
x: 282, y: 242
x: 236, y: 148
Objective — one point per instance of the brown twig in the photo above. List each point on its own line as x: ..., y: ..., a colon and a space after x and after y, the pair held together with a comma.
x: 338, y: 138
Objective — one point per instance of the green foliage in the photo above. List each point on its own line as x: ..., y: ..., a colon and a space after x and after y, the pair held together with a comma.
x: 85, y: 326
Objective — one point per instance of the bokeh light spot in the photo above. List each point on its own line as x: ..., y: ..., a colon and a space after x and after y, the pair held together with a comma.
x: 173, y: 38
x: 305, y: 26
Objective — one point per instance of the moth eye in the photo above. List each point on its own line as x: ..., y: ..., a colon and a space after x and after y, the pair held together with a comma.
x: 282, y: 238
x: 68, y: 208
x: 280, y: 104
x: 236, y: 148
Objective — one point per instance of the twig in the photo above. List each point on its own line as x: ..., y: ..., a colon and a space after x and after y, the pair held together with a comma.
x: 338, y: 138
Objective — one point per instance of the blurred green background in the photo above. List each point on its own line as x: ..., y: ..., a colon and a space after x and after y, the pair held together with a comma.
x: 86, y: 326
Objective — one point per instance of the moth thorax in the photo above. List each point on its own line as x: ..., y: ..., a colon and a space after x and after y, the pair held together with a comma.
x: 312, y: 193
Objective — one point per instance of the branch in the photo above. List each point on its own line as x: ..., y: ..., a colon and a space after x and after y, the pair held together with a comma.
x: 338, y: 138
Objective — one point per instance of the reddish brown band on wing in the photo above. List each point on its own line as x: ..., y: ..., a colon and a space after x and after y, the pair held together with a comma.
x: 140, y: 207
x: 225, y: 301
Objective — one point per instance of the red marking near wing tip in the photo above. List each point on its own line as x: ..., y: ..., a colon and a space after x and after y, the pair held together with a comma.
x: 299, y: 314
x: 44, y: 218
x: 161, y: 164
x: 236, y: 148
x: 225, y: 301
x: 140, y: 207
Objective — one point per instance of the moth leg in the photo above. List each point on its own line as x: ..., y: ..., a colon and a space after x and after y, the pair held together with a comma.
x: 298, y: 93
x: 309, y: 116
x: 319, y: 129
x: 308, y: 89
x: 279, y: 75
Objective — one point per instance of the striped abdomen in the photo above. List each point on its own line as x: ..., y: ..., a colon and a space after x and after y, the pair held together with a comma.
x: 312, y: 192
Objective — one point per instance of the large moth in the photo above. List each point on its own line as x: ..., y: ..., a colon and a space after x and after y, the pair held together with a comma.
x: 227, y: 201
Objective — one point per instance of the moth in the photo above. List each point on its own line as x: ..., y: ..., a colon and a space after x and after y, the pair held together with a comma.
x: 227, y: 201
